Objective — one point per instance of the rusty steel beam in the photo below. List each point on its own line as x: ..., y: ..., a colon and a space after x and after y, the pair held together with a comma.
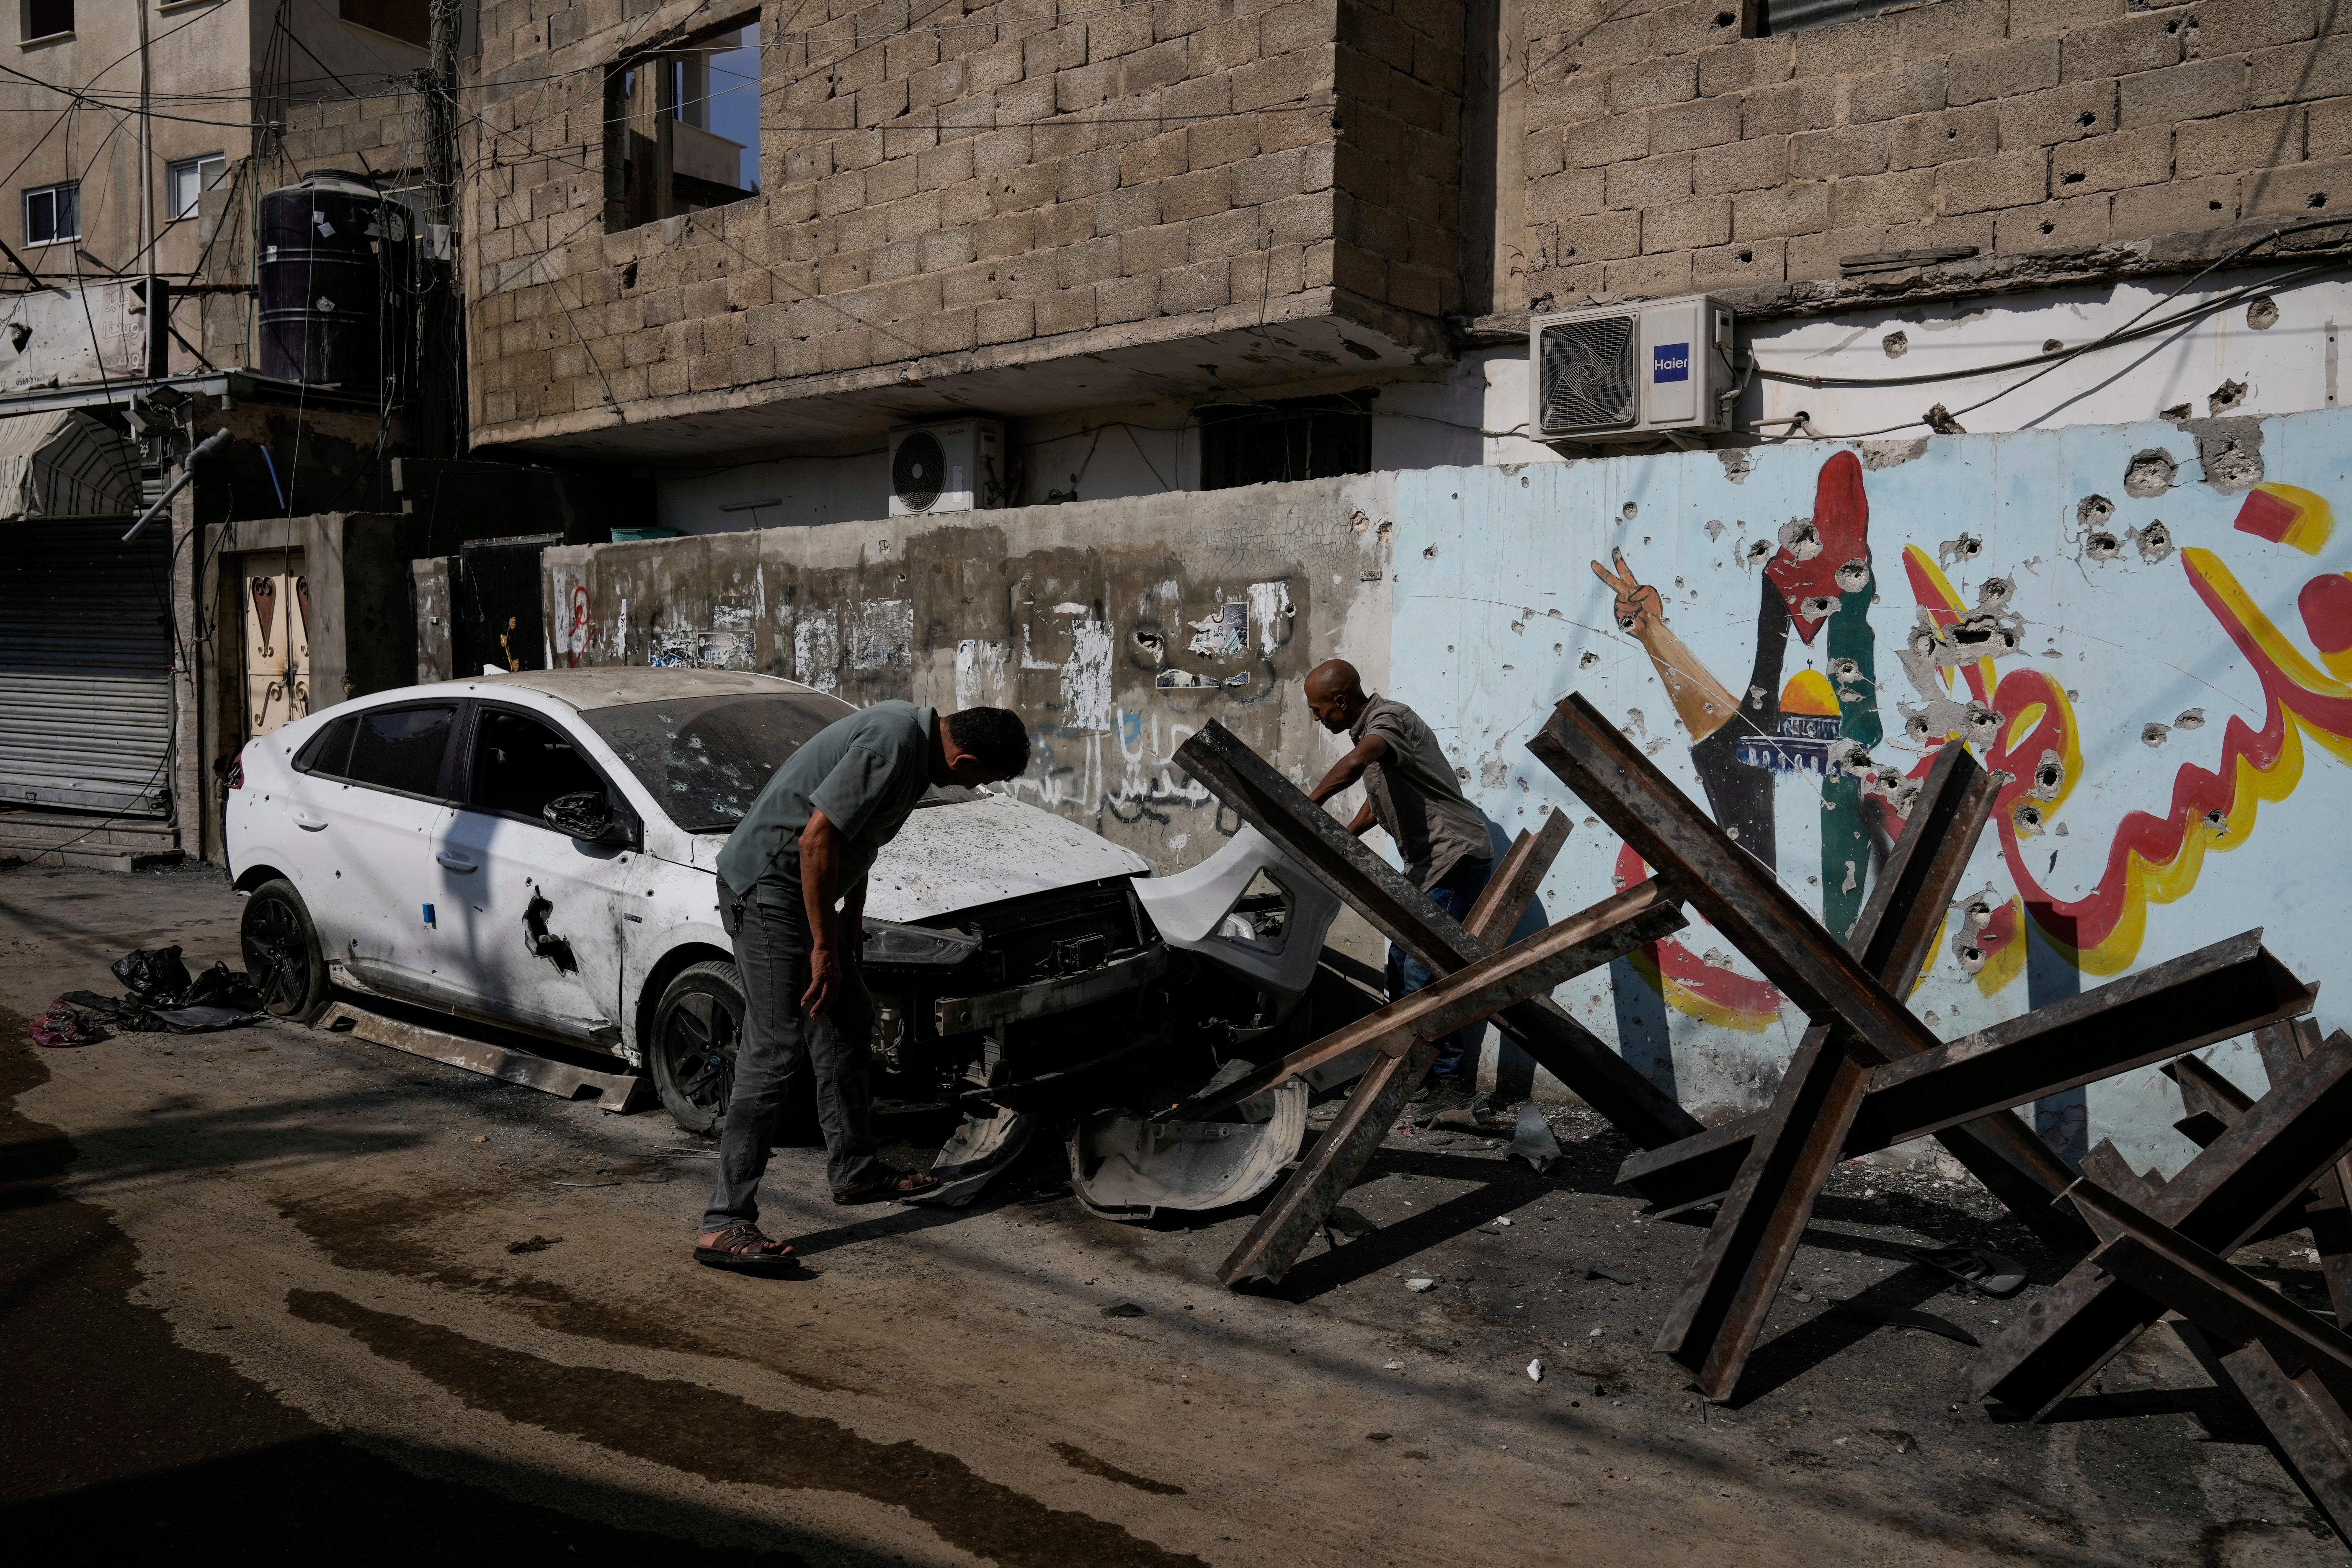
x: 1721, y: 1313
x: 2218, y: 1201
x: 2184, y: 1003
x: 2205, y: 1287
x: 1305, y: 1202
x: 1780, y: 937
x: 1584, y: 942
x: 1325, y: 848
x: 1328, y: 1169
x: 1512, y: 887
x: 2309, y: 1432
x: 2331, y: 1218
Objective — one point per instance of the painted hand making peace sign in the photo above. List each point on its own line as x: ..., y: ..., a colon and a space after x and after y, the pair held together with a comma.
x: 1639, y: 606
x: 1700, y: 700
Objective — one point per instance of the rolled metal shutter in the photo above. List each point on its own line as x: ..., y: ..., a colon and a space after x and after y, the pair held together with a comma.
x: 85, y: 667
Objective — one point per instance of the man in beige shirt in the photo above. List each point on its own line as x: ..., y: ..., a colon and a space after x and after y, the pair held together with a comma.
x: 1410, y: 792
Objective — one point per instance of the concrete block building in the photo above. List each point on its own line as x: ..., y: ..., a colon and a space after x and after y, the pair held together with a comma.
x: 1185, y: 244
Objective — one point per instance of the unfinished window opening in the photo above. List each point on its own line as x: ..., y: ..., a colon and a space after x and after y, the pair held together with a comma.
x: 1772, y: 16
x: 1260, y: 918
x: 521, y: 762
x: 1290, y: 439
x: 682, y: 126
x: 44, y: 18
x: 410, y: 21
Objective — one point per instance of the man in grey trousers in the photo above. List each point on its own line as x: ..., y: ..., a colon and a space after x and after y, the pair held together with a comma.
x: 792, y: 892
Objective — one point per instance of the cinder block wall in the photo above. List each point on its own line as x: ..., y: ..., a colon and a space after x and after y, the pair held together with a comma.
x: 1015, y: 182
x: 1667, y: 153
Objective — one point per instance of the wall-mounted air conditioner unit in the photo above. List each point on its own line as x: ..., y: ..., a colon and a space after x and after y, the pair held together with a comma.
x: 954, y: 466
x: 1630, y: 371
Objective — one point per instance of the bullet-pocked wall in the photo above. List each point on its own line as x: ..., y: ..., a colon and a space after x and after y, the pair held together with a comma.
x: 2146, y: 629
x: 1115, y: 628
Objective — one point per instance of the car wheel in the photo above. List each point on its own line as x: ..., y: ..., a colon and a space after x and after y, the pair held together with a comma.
x: 281, y: 951
x: 697, y: 1024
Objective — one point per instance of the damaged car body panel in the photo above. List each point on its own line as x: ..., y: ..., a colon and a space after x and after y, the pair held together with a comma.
x: 536, y: 851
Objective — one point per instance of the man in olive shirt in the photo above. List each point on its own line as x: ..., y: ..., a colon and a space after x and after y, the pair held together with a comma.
x: 803, y: 849
x: 1410, y: 792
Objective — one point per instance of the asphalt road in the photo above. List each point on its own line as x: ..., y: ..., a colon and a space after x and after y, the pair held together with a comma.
x: 257, y: 1298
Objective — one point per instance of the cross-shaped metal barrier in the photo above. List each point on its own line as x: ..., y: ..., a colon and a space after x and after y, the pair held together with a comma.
x: 2219, y: 1200
x: 1277, y: 808
x: 1868, y: 1074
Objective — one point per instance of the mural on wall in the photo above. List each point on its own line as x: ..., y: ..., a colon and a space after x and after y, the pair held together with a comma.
x: 2157, y: 662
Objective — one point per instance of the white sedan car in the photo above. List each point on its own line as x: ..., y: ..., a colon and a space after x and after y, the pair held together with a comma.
x: 536, y: 851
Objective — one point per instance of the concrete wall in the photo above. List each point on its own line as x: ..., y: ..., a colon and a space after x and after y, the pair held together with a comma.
x: 1665, y: 152
x: 1085, y: 618
x: 2173, y: 711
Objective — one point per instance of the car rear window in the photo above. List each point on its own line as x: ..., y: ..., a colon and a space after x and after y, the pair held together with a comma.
x: 401, y: 749
x: 706, y: 759
x: 329, y: 749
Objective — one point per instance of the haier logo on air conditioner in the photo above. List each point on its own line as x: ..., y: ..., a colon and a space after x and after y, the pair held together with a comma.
x: 1627, y: 372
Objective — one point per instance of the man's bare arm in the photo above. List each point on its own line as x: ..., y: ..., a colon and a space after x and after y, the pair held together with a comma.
x: 820, y: 869
x: 1349, y: 768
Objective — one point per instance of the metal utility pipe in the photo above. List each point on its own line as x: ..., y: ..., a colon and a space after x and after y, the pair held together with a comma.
x: 203, y: 448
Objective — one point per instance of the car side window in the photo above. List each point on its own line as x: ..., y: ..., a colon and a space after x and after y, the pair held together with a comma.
x: 330, y: 750
x: 521, y: 762
x: 401, y: 749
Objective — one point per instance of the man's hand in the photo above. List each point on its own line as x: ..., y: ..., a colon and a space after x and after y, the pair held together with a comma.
x: 826, y: 980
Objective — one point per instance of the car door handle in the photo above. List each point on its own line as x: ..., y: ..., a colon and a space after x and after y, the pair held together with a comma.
x: 457, y: 862
x: 308, y: 821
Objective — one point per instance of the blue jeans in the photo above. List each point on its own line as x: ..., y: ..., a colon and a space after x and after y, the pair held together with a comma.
x: 1457, y: 1053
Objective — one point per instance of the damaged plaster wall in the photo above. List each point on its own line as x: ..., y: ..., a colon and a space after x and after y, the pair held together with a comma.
x: 2160, y: 662
x: 1115, y: 628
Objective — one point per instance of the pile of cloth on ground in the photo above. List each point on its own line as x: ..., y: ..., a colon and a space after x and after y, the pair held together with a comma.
x: 160, y: 994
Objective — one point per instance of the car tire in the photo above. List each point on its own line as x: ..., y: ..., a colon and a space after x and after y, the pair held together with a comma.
x: 697, y: 1026
x: 281, y: 951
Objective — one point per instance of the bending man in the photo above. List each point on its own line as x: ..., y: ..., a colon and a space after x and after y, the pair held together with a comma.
x: 1409, y: 790
x: 792, y: 892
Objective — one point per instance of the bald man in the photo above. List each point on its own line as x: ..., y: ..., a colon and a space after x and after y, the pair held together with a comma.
x: 1410, y: 792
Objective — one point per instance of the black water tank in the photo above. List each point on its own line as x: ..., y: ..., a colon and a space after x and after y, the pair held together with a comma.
x: 336, y: 259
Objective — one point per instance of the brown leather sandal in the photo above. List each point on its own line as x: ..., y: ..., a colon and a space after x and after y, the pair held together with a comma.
x: 746, y: 1250
x: 898, y: 1184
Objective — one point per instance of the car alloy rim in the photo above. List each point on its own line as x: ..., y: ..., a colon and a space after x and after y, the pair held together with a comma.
x: 278, y: 943
x: 700, y: 1040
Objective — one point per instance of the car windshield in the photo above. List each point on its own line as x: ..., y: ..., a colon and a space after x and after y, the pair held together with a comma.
x: 707, y: 758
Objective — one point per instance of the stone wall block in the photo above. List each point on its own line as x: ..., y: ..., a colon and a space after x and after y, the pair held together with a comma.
x: 2007, y: 71
x: 1984, y: 185
x: 2066, y: 113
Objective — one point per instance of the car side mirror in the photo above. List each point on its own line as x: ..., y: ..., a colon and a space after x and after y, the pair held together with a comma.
x: 587, y: 815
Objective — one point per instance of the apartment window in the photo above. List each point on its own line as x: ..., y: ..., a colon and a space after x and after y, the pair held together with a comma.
x: 44, y: 18
x: 189, y: 178
x: 682, y: 126
x: 53, y: 213
x: 1289, y: 439
x: 1794, y: 16
x: 406, y: 20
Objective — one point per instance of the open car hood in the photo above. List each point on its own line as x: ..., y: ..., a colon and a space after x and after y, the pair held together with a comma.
x: 951, y: 857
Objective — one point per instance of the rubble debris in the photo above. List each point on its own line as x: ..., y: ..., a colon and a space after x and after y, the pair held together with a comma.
x: 536, y: 1243
x: 1602, y: 1271
x: 1532, y: 1142
x: 1993, y: 1273
x: 1123, y: 1309
x: 1420, y: 1283
x: 1534, y: 1370
x: 61, y: 1027
x: 1901, y: 1441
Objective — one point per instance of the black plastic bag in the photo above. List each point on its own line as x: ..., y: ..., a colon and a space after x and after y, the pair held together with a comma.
x: 221, y: 987
x: 154, y: 974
